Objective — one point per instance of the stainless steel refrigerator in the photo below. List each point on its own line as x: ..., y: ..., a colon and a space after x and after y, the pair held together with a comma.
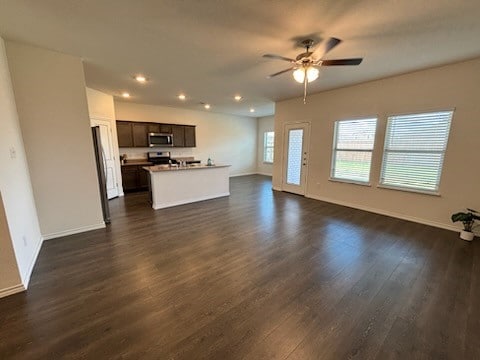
x: 101, y: 172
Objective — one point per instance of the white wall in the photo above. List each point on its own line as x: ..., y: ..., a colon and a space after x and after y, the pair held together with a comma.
x: 20, y: 237
x: 266, y: 123
x: 52, y: 107
x: 453, y: 86
x: 227, y: 139
x: 101, y: 106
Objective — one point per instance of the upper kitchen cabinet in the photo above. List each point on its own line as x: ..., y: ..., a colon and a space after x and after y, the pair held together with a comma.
x: 165, y: 128
x: 178, y: 132
x: 154, y: 128
x: 124, y: 132
x: 190, y: 136
x: 140, y: 134
x: 135, y: 134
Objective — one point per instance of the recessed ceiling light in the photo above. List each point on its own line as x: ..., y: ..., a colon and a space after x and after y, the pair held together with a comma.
x: 125, y: 95
x: 206, y: 106
x: 140, y: 78
x: 182, y: 97
x: 237, y: 98
x: 252, y: 110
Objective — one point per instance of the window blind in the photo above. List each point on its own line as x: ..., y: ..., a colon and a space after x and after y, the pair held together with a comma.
x: 352, y: 149
x: 415, y: 147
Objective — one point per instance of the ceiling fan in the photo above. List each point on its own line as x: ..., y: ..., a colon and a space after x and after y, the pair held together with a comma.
x: 305, y: 66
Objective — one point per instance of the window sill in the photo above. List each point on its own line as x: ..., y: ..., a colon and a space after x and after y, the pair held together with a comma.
x: 350, y: 182
x: 418, y: 191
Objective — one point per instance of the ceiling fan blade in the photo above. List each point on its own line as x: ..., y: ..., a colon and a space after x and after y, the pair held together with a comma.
x: 278, y: 57
x: 353, y: 61
x: 280, y: 72
x: 329, y: 45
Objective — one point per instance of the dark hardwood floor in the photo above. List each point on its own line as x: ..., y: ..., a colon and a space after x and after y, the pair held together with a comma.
x: 257, y: 275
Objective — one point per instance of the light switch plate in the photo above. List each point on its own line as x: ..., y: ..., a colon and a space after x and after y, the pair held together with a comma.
x: 13, y: 153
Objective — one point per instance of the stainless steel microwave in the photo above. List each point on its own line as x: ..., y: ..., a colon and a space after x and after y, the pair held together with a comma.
x: 160, y: 139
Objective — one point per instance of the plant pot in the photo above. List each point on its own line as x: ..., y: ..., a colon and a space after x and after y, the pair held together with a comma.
x: 466, y: 235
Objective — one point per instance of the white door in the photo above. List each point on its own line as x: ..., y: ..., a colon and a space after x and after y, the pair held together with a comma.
x: 109, y: 162
x: 296, y: 157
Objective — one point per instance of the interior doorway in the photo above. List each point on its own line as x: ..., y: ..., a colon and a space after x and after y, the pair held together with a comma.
x: 108, y: 156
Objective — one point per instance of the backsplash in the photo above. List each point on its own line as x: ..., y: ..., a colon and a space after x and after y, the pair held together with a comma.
x: 141, y: 153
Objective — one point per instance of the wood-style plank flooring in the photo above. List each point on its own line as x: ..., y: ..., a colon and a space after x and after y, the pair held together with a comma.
x: 257, y: 275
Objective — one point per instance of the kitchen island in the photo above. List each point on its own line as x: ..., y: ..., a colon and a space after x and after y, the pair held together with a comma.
x: 172, y: 186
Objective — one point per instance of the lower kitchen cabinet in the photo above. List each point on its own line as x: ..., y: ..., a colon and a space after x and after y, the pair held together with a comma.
x: 142, y: 178
x: 134, y: 178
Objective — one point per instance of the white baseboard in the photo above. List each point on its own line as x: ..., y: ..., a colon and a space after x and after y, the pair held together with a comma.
x: 188, y: 201
x: 385, y: 212
x: 73, y: 231
x: 265, y: 174
x: 12, y: 290
x: 243, y: 174
x: 26, y: 276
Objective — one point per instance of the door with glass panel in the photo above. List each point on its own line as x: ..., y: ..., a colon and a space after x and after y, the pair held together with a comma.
x: 296, y: 157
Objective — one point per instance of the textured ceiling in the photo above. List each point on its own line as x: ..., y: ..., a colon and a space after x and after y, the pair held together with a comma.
x: 211, y: 49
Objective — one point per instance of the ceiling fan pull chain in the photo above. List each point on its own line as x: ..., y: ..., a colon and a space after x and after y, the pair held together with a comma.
x: 305, y: 88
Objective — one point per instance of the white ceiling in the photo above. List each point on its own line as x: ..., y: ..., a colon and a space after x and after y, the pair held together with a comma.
x: 212, y: 49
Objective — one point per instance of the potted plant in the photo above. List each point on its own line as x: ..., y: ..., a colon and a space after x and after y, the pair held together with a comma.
x: 468, y: 219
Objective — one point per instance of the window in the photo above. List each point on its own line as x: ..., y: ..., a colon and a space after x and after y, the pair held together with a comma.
x: 268, y: 141
x: 414, y: 150
x: 352, y: 150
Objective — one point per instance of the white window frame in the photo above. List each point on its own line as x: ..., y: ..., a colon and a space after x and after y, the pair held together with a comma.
x: 386, y: 150
x: 265, y: 147
x: 335, y: 149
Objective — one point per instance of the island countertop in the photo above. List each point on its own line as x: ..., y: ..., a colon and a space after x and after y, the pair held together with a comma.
x: 161, y: 168
x: 172, y: 186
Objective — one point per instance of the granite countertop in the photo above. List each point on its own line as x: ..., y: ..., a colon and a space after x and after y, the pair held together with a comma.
x: 160, y: 168
x: 137, y: 162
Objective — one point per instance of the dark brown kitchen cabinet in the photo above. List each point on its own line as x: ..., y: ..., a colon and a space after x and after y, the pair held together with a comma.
x: 129, y: 178
x: 154, y: 128
x: 165, y: 128
x: 190, y: 136
x: 134, y: 178
x: 140, y: 134
x: 178, y: 132
x: 142, y: 178
x: 124, y: 133
x: 135, y: 134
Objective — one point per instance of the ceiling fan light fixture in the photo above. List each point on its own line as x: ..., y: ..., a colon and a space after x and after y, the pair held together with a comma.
x: 141, y: 79
x: 312, y: 74
x: 305, y: 65
x: 299, y: 75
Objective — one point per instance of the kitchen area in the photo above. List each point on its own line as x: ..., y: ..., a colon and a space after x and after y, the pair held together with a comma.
x: 153, y: 159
